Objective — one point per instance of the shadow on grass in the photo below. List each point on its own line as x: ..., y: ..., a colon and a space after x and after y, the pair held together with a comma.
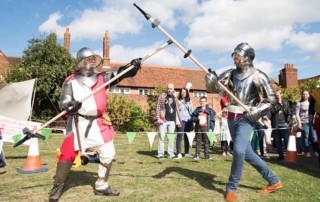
x: 16, y: 157
x: 151, y: 153
x: 204, y: 179
x: 80, y: 178
x: 304, y: 165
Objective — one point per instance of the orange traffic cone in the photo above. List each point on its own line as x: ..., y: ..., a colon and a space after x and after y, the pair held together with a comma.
x: 33, y: 164
x: 291, y: 156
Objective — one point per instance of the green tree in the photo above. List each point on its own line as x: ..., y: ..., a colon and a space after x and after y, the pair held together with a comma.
x: 152, y: 102
x: 50, y: 64
x: 293, y: 94
x: 127, y: 115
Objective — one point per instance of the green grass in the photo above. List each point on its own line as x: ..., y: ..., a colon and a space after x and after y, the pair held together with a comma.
x: 141, y: 177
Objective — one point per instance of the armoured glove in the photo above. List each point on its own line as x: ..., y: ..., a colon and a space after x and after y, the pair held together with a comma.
x: 137, y: 65
x: 254, y: 115
x: 73, y: 107
x: 211, y: 81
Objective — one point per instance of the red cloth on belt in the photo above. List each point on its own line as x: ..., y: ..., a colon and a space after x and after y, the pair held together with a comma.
x: 234, y: 116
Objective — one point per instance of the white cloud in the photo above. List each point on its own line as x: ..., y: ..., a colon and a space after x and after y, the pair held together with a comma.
x: 51, y: 24
x: 264, y: 24
x: 120, y: 17
x: 266, y: 67
x: 165, y: 57
x: 92, y: 23
x: 306, y: 42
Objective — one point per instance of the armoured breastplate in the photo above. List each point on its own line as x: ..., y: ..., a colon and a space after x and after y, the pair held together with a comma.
x: 245, y: 86
x: 87, y: 80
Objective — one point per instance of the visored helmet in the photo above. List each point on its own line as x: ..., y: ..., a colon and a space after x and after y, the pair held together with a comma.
x: 245, y: 51
x: 87, y: 60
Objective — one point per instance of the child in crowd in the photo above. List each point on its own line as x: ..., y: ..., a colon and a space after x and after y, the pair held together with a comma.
x: 225, y: 136
x: 203, y: 116
x: 3, y: 162
x: 298, y: 134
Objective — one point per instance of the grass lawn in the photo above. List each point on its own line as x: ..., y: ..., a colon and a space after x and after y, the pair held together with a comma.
x: 139, y: 176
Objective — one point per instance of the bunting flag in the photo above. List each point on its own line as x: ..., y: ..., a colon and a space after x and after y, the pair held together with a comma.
x: 131, y: 136
x: 211, y: 137
x: 46, y: 132
x: 191, y: 137
x: 251, y: 136
x: 11, y: 127
x: 16, y: 138
x: 151, y: 136
x: 171, y: 137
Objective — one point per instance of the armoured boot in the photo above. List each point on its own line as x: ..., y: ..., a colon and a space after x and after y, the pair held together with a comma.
x: 62, y: 171
x: 106, y: 192
x: 105, y: 189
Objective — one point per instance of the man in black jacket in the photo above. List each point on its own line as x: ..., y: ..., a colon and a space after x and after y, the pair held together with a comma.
x: 280, y: 119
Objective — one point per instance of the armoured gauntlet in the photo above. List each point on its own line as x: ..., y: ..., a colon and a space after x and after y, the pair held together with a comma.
x: 211, y: 82
x: 73, y: 107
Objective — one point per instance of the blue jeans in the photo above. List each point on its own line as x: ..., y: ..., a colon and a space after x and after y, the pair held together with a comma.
x: 185, y: 127
x: 166, y: 127
x: 280, y: 132
x: 309, y: 132
x: 257, y: 139
x: 240, y: 130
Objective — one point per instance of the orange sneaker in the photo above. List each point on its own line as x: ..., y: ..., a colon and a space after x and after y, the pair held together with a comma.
x: 270, y: 188
x: 230, y: 196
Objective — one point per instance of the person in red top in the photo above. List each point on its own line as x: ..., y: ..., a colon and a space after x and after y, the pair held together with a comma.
x: 224, y: 101
x: 88, y: 125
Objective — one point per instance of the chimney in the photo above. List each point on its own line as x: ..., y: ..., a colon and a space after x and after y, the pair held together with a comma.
x: 67, y: 40
x: 106, y: 47
x: 288, y: 76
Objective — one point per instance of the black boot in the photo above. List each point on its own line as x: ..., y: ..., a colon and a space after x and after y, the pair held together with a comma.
x: 62, y: 171
x: 106, y: 192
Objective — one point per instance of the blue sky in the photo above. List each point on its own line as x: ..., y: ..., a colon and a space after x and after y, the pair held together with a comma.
x: 281, y: 31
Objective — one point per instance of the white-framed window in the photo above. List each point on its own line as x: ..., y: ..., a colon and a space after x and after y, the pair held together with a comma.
x: 144, y: 91
x: 120, y: 90
x: 199, y: 93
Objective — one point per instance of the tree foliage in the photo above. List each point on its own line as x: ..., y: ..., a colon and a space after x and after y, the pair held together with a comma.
x: 50, y: 63
x: 127, y: 115
x: 293, y: 94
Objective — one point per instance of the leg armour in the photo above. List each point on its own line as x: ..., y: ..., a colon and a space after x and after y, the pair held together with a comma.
x: 62, y: 171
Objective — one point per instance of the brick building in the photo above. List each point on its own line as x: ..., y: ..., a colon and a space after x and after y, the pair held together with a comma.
x: 5, y: 64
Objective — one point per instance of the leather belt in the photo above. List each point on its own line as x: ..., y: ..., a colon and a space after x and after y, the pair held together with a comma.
x: 91, y: 119
x: 234, y: 116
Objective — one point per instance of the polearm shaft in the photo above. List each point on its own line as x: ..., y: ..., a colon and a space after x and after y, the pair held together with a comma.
x: 107, y: 83
x: 156, y: 23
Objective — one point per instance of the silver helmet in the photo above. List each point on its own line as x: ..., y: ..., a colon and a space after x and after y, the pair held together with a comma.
x: 245, y: 51
x: 87, y: 60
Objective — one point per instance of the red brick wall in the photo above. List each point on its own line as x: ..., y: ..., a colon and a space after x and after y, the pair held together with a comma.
x: 4, y: 64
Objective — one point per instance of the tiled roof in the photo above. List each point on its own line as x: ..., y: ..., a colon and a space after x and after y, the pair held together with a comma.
x: 14, y: 60
x: 308, y: 79
x: 151, y: 76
